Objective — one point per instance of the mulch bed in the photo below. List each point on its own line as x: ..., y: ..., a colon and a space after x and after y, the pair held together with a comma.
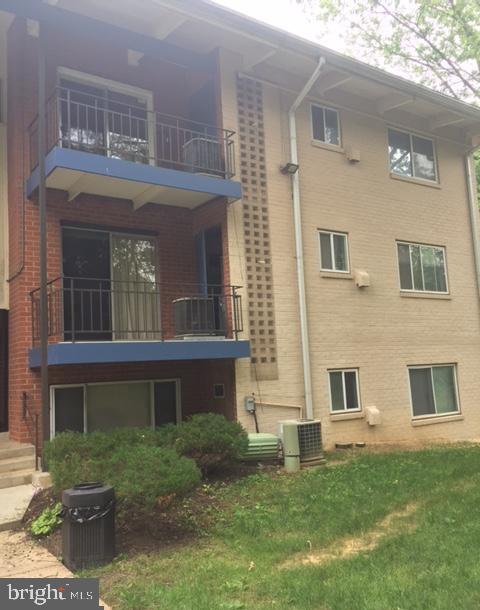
x: 173, y: 522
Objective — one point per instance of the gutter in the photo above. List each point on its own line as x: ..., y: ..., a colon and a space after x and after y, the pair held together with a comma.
x: 473, y: 209
x: 297, y: 220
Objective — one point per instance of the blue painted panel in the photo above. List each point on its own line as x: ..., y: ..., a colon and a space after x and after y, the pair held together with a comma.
x: 139, y: 351
x: 89, y: 163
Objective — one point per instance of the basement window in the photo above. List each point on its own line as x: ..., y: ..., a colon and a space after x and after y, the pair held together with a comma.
x: 325, y: 125
x: 344, y: 390
x: 433, y: 390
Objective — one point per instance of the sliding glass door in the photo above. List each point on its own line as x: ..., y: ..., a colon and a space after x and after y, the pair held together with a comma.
x: 94, y: 407
x: 136, y: 303
x: 110, y: 290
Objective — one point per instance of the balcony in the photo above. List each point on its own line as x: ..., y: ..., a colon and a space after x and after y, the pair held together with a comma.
x: 104, y: 320
x: 114, y: 146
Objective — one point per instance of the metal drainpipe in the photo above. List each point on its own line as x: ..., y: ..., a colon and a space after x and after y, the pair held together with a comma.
x: 42, y: 211
x: 473, y: 209
x: 297, y: 220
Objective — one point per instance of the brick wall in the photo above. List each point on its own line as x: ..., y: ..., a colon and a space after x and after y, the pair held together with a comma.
x: 174, y: 227
x: 197, y: 380
x: 375, y: 329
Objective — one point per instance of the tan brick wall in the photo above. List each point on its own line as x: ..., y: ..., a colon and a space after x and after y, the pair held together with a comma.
x: 374, y: 329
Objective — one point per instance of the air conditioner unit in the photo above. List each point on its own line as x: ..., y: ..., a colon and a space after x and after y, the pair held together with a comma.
x: 202, y: 156
x: 309, y: 433
x: 199, y: 316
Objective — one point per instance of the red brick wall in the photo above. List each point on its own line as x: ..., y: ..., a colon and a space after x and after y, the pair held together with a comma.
x: 197, y: 379
x: 175, y: 227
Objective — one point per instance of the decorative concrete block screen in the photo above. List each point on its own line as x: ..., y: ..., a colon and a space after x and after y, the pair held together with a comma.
x: 256, y: 228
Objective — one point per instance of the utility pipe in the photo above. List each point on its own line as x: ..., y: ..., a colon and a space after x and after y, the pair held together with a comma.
x: 473, y: 209
x: 297, y: 222
x: 42, y: 212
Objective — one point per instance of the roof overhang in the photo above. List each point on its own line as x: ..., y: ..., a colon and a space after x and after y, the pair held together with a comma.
x: 198, y: 27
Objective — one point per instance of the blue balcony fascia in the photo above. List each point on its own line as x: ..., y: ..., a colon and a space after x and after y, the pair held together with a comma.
x: 149, y: 175
x: 103, y: 352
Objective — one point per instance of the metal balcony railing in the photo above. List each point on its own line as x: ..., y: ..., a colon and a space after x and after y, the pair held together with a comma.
x: 90, y: 309
x: 94, y: 124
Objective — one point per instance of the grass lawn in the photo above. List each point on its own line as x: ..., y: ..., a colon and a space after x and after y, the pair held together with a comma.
x: 395, y: 531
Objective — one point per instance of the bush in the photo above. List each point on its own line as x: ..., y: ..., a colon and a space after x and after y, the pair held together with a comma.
x: 209, y: 439
x: 140, y: 474
x: 144, y: 464
x: 47, y: 521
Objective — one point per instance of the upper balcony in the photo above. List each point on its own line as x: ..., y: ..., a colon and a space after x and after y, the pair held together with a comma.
x: 104, y: 142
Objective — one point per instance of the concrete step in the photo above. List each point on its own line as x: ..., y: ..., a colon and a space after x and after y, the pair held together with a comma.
x: 14, y: 450
x: 4, y: 437
x: 17, y: 463
x: 17, y: 477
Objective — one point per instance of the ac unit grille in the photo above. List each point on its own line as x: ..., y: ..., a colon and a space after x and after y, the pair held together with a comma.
x: 310, y: 441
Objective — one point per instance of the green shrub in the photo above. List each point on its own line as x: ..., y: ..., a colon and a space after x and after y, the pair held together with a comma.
x: 144, y: 464
x: 140, y: 473
x: 47, y: 521
x: 209, y: 439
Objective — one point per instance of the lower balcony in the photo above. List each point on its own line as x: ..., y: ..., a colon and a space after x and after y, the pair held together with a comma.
x: 110, y: 321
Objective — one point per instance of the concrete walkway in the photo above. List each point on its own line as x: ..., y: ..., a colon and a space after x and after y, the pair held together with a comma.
x: 22, y: 557
x: 14, y: 502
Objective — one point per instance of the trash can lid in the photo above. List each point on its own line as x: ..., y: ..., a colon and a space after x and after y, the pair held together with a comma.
x: 88, y: 494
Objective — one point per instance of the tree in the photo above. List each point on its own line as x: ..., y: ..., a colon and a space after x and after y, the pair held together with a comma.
x: 436, y: 42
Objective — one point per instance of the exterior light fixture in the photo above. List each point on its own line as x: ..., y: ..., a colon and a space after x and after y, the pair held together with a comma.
x: 289, y: 168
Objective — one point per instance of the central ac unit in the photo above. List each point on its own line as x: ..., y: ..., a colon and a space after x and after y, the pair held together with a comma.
x: 202, y: 155
x: 199, y: 316
x: 309, y: 439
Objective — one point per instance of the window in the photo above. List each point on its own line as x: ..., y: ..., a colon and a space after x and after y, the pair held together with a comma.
x: 103, y: 406
x: 344, y: 390
x: 433, y: 390
x: 333, y: 251
x: 422, y: 268
x: 411, y: 155
x: 325, y: 127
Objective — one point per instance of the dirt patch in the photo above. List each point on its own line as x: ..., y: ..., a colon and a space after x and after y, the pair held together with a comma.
x: 394, y: 523
x: 173, y: 522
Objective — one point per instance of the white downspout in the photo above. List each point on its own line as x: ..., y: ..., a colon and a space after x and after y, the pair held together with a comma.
x: 297, y: 221
x: 473, y: 208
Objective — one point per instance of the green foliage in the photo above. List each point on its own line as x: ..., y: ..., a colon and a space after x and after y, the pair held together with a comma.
x: 267, y: 524
x: 476, y: 157
x: 140, y: 473
x: 143, y: 474
x: 438, y: 42
x: 47, y: 522
x: 210, y: 439
x: 144, y: 464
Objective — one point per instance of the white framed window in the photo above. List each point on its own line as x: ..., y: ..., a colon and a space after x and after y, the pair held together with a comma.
x: 433, y: 390
x: 325, y: 125
x: 101, y: 406
x: 344, y: 390
x: 333, y: 251
x: 422, y: 268
x: 411, y: 155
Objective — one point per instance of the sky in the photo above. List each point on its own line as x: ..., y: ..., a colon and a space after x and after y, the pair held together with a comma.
x: 285, y: 14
